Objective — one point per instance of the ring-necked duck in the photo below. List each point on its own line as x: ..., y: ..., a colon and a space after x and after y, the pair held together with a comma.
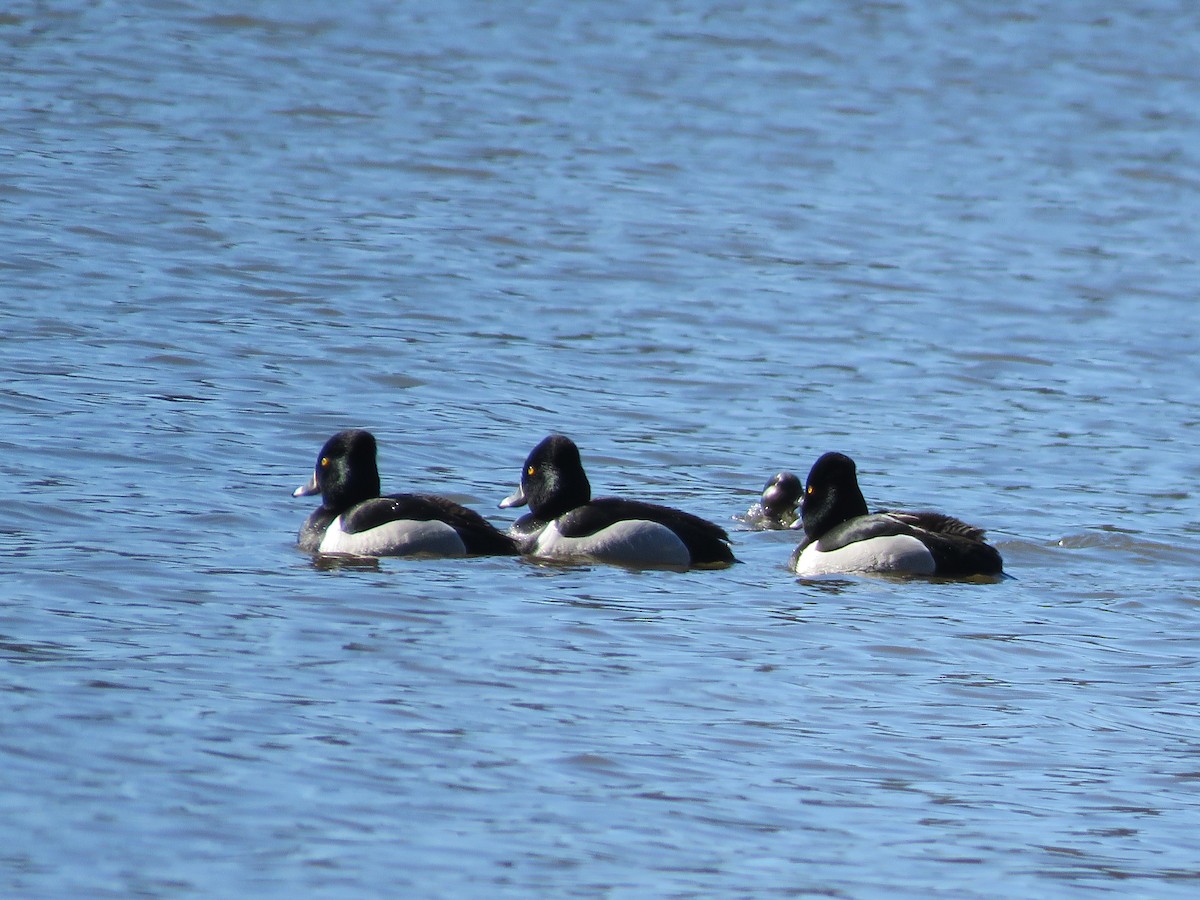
x: 842, y: 537
x: 565, y: 523
x: 776, y: 508
x: 354, y: 520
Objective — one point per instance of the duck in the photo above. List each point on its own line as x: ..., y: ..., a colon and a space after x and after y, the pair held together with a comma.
x: 354, y: 520
x: 842, y: 537
x: 776, y: 508
x: 565, y: 523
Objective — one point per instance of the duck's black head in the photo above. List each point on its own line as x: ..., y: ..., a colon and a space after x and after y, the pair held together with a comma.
x: 831, y: 494
x: 553, y: 481
x: 346, y: 473
x: 780, y: 497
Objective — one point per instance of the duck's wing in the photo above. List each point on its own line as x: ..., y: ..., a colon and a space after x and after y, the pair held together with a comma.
x: 479, y: 535
x: 938, y: 523
x: 706, y: 541
x: 958, y: 549
x: 860, y: 528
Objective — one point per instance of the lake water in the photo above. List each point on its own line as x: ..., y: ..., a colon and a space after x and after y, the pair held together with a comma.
x: 709, y: 241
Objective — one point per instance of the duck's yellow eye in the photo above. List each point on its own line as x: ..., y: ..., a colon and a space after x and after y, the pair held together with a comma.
x: 810, y: 489
x: 324, y: 462
x: 531, y: 470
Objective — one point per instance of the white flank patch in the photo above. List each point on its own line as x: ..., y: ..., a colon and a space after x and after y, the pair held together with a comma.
x: 898, y: 554
x: 635, y: 542
x: 402, y: 537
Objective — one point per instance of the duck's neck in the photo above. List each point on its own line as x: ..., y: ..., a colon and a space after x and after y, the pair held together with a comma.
x: 840, y: 506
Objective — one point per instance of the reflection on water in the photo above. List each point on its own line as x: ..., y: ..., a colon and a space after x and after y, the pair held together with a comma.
x: 709, y: 243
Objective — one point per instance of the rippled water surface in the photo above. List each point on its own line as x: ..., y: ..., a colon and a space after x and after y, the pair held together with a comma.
x: 709, y: 241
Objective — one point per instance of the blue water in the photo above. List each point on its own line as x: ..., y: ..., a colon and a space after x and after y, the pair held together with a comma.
x: 708, y: 241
